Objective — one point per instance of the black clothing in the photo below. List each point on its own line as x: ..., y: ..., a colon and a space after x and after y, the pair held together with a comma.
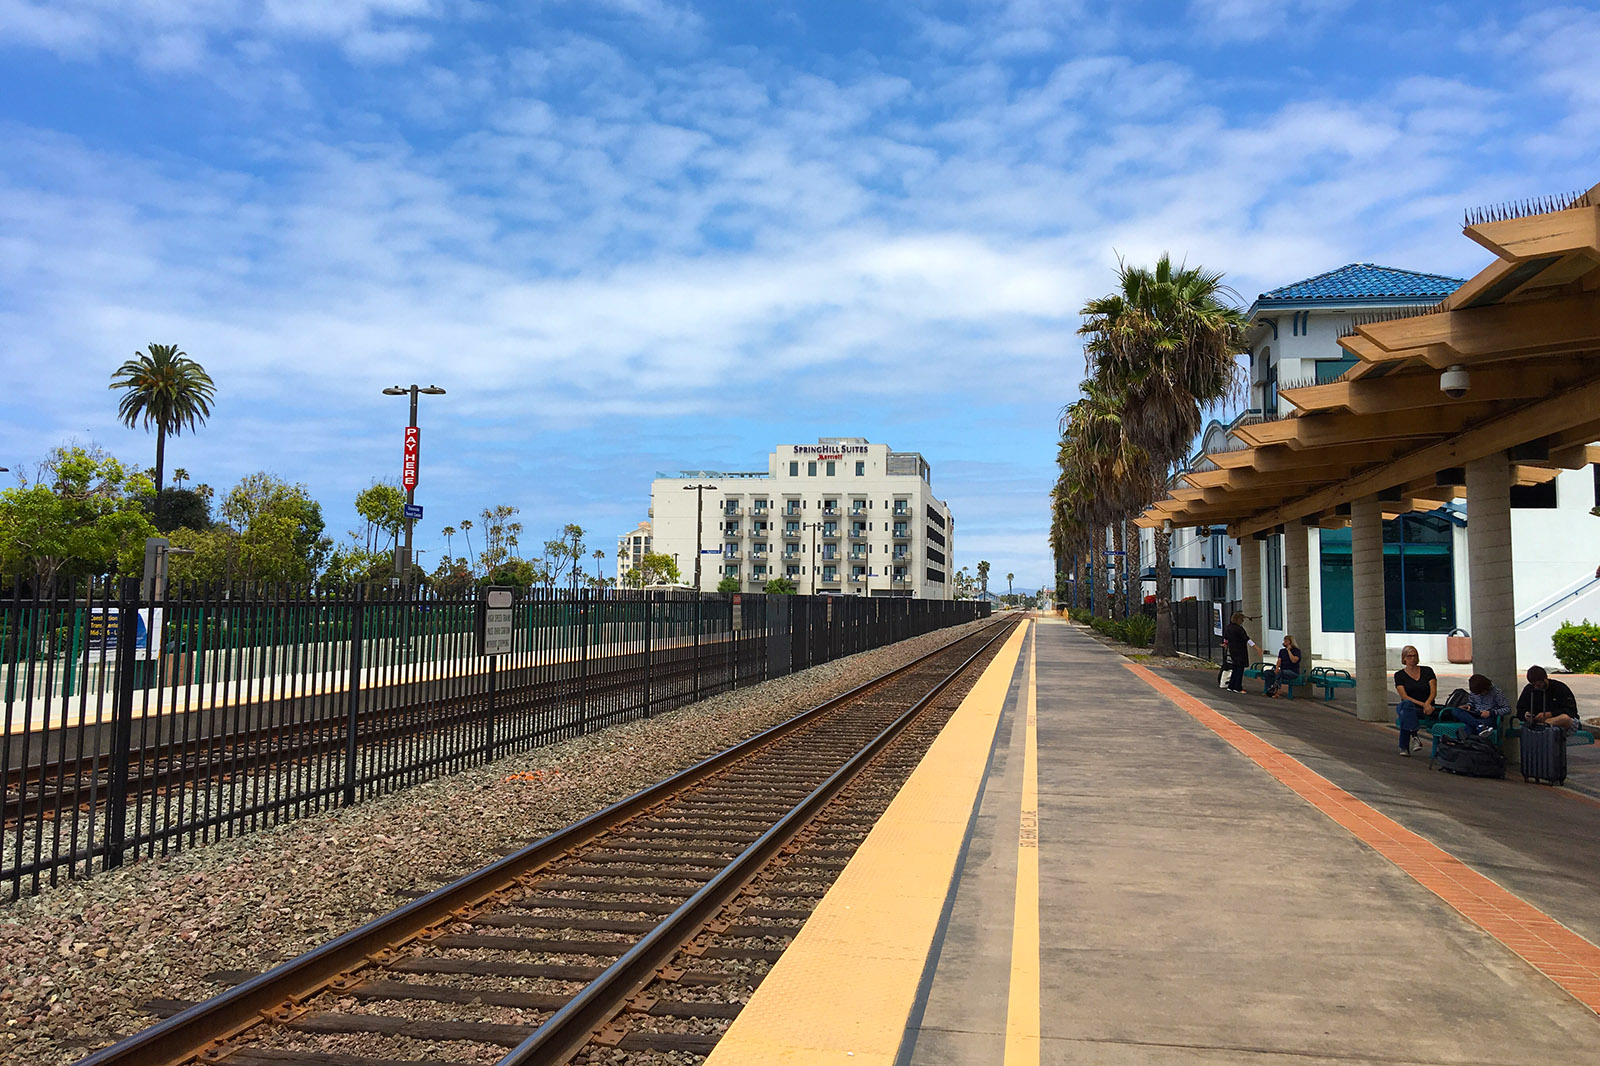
x: 1289, y: 661
x: 1557, y: 698
x: 1414, y: 688
x: 1238, y: 642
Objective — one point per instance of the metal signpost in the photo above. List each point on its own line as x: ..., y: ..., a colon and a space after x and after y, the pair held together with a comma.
x: 494, y: 640
x: 408, y: 471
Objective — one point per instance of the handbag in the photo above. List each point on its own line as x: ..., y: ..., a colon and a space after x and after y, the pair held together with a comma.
x: 1224, y: 669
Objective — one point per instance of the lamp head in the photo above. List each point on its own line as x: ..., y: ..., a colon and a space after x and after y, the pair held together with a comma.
x: 395, y: 390
x: 432, y: 390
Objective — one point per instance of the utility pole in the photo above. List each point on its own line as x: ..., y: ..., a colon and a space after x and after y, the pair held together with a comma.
x: 413, y: 463
x: 699, y: 524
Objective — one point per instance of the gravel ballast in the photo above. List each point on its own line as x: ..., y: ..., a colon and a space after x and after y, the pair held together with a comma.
x: 78, y: 961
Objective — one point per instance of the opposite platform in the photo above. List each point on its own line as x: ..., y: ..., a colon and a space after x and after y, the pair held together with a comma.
x: 1198, y: 901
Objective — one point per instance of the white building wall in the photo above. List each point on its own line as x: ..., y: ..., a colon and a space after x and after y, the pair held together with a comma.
x: 799, y: 474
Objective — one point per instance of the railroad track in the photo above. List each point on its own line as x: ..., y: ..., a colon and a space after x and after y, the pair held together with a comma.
x: 635, y: 934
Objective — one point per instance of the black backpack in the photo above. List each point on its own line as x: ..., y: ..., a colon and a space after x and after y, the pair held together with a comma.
x: 1471, y: 757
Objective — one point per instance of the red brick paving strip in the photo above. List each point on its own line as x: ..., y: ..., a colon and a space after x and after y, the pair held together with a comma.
x: 1548, y: 946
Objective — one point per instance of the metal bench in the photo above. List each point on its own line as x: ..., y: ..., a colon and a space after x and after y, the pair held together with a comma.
x: 1286, y: 685
x: 1330, y: 679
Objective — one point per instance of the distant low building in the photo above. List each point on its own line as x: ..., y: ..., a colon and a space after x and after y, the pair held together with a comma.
x: 631, y: 549
x: 842, y: 516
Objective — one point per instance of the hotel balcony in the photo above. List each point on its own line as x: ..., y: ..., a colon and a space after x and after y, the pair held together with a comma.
x: 858, y: 535
x: 791, y: 534
x: 829, y: 578
x: 758, y: 556
x: 728, y: 555
x: 858, y: 556
x: 858, y: 512
x: 902, y: 533
x: 829, y: 533
x: 759, y: 510
x: 901, y: 511
x: 792, y: 509
x: 732, y: 510
x: 830, y: 512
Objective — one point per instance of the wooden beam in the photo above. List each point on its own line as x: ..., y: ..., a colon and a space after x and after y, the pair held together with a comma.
x: 1576, y: 229
x: 1326, y: 430
x: 1572, y: 408
x: 1412, y: 391
x: 1498, y: 331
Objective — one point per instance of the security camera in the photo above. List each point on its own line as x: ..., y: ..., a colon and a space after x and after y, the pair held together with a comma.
x: 1455, y: 382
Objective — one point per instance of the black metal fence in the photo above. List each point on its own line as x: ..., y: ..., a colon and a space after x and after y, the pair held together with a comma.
x: 1196, y: 628
x: 134, y: 728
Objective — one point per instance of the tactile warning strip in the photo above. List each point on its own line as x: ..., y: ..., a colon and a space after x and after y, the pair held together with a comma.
x: 1544, y: 943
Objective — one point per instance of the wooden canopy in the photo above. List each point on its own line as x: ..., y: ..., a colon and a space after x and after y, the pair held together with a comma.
x: 1526, y: 329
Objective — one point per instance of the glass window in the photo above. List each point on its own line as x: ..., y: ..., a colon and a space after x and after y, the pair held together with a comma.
x: 1333, y: 369
x: 861, y: 468
x: 811, y: 469
x: 794, y: 468
x: 1418, y: 577
x: 830, y: 468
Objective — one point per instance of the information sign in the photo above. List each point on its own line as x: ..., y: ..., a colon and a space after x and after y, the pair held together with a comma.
x: 494, y: 631
x: 413, y: 511
x: 103, y: 626
x: 408, y: 472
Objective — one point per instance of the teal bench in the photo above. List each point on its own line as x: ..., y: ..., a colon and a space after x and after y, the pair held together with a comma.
x: 1508, y: 726
x: 1287, y: 685
x: 1330, y: 679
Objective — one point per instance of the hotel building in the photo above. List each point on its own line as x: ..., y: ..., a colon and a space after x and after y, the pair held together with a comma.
x: 842, y: 516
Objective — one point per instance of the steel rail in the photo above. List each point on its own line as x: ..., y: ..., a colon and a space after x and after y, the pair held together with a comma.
x: 278, y: 993
x: 567, y: 1031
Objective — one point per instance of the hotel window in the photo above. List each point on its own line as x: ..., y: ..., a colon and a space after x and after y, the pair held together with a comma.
x: 830, y: 468
x: 811, y: 469
x: 861, y: 468
x: 730, y: 547
x: 794, y: 469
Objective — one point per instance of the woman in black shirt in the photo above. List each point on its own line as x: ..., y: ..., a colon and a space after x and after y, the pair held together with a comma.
x: 1417, y: 688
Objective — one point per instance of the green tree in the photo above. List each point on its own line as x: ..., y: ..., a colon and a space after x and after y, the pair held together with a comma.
x: 599, y: 573
x: 1164, y: 344
x: 383, y: 505
x: 84, y: 517
x: 280, y: 530
x: 655, y: 568
x: 166, y: 389
x: 1009, y: 578
x: 466, y: 531
x: 983, y: 576
x: 173, y: 509
x: 729, y: 583
x: 500, y: 535
x: 780, y: 586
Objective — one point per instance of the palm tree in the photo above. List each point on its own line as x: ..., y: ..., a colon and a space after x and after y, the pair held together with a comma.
x: 449, y: 545
x: 983, y: 576
x: 180, y: 476
x: 599, y: 561
x: 466, y: 531
x: 1164, y: 344
x: 166, y: 389
x: 1009, y: 578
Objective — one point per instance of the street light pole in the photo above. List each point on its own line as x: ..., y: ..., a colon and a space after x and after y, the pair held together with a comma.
x: 699, y: 524
x: 411, y: 489
x: 814, y: 568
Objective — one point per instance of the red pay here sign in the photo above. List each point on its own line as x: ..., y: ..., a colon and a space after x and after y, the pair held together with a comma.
x: 408, y: 473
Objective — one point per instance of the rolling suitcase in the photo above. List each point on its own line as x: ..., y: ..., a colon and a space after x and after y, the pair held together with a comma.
x: 1544, y: 754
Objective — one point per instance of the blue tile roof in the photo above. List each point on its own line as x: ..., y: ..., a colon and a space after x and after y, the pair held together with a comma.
x: 1364, y: 281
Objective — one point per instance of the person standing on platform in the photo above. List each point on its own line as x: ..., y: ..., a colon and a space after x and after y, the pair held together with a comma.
x: 1239, y: 644
x: 1417, y: 688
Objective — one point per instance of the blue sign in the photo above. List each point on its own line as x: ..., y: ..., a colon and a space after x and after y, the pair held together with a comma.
x: 413, y: 512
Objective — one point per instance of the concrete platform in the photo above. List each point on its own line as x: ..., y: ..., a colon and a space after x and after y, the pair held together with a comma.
x: 1207, y: 878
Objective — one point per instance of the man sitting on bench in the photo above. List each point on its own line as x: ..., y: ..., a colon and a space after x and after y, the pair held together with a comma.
x: 1288, y: 669
x: 1546, y: 701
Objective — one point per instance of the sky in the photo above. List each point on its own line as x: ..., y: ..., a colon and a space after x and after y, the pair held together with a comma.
x: 631, y: 236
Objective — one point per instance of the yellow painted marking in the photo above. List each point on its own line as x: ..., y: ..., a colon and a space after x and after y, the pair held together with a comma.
x: 844, y: 990
x: 1022, y: 1008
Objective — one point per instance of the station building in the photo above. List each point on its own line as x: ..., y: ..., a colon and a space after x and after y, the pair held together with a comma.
x: 1456, y: 453
x: 841, y: 516
x: 1294, y: 343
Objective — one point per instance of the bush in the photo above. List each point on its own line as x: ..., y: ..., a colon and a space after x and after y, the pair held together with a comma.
x: 1141, y: 630
x: 1578, y: 646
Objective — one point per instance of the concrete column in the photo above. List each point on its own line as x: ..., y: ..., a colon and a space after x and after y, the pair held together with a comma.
x: 1374, y: 694
x: 1250, y: 585
x: 1297, y: 590
x: 1493, y: 625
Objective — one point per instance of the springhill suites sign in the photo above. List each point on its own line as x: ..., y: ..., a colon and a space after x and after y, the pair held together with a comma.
x: 829, y: 449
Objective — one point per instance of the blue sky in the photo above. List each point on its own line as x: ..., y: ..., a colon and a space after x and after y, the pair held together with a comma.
x: 641, y: 235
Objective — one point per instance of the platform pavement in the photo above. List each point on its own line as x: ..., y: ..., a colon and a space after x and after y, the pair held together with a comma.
x: 1195, y: 910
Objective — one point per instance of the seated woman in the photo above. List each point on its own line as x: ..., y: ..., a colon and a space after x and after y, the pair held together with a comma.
x: 1288, y: 666
x: 1417, y: 688
x: 1486, y: 705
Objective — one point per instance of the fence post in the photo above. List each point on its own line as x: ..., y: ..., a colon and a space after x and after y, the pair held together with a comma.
x: 583, y: 659
x: 697, y: 645
x: 649, y: 624
x: 353, y: 694
x: 122, y: 723
x: 493, y: 661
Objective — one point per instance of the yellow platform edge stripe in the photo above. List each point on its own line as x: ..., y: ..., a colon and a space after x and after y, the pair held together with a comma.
x: 844, y: 989
x: 1022, y: 1003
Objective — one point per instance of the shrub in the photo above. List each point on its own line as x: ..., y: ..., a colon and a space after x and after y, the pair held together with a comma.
x: 1141, y: 630
x: 1578, y: 646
